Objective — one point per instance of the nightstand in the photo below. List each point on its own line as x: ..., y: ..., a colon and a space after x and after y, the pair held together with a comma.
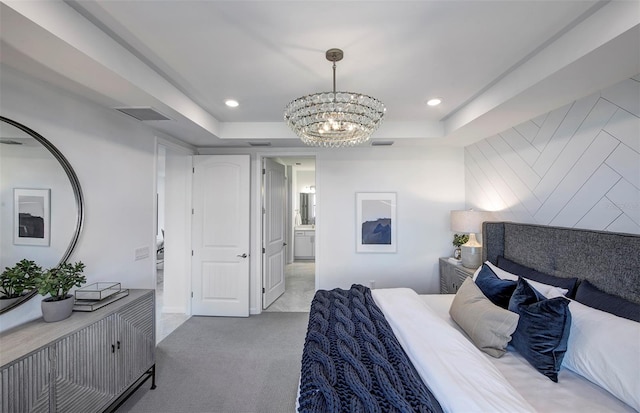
x: 452, y: 276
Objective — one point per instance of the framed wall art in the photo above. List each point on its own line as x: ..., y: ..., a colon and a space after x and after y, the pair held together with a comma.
x: 376, y: 224
x: 32, y: 216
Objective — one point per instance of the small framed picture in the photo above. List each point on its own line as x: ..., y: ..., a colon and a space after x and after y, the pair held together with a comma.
x: 32, y: 216
x: 376, y: 224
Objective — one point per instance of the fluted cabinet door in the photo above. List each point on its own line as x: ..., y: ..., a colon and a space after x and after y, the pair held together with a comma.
x: 447, y: 278
x: 458, y: 276
x: 84, y: 372
x: 443, y: 278
x: 25, y: 384
x: 135, y: 341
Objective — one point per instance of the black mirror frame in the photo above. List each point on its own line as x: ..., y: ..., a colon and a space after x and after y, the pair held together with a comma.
x: 77, y: 191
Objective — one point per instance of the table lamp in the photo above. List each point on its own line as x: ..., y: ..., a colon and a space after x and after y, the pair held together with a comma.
x: 469, y: 222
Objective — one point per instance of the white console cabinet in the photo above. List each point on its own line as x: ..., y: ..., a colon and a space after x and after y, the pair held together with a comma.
x: 86, y: 363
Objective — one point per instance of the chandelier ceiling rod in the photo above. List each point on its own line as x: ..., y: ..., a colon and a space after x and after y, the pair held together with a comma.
x: 334, y: 78
x: 334, y: 55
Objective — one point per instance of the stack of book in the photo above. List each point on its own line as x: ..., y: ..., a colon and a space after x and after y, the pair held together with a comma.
x: 97, y: 295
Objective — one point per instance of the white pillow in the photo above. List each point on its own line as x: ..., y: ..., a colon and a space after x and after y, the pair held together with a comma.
x: 605, y: 349
x: 548, y: 291
x: 488, y: 326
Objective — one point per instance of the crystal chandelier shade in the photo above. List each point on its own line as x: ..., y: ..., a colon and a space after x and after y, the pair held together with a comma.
x: 334, y: 119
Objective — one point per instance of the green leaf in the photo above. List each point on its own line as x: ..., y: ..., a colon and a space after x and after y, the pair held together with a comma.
x: 19, y: 279
x: 460, y: 239
x: 58, y: 281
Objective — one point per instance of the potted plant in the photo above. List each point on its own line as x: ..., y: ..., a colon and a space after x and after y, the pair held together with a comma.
x: 57, y: 282
x: 17, y: 281
x: 458, y: 240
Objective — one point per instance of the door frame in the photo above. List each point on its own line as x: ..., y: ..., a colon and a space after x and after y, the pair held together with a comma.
x: 255, y: 300
x: 186, y: 252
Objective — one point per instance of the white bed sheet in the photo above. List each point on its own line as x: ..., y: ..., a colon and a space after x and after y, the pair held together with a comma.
x: 572, y: 393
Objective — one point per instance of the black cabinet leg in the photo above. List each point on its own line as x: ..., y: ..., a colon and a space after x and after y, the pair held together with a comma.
x: 153, y: 377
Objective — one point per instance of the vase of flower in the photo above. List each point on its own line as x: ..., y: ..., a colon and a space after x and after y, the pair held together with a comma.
x: 458, y: 240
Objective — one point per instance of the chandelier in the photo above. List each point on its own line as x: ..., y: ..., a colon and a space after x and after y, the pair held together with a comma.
x: 334, y: 119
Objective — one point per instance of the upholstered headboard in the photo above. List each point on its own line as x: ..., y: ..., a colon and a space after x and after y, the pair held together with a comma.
x: 610, y: 261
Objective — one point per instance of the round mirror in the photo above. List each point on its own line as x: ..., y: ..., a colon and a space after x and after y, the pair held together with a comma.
x: 41, y: 208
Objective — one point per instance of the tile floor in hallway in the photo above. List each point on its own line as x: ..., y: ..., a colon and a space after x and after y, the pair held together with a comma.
x: 300, y: 283
x: 165, y: 322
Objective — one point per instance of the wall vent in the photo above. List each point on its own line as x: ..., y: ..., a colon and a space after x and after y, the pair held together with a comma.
x: 143, y: 113
x: 381, y: 143
x: 259, y: 143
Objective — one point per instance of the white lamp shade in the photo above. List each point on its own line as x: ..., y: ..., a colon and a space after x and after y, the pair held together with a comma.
x: 468, y: 221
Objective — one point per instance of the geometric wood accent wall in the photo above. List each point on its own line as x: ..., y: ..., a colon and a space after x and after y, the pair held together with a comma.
x: 577, y: 166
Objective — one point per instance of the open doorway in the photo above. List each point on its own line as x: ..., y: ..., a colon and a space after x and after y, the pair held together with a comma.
x: 173, y: 193
x: 160, y: 197
x: 299, y: 227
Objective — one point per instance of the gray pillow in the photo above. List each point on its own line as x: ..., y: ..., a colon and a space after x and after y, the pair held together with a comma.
x: 487, y: 325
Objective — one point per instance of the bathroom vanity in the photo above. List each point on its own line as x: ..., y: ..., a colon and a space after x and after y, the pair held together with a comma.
x: 304, y: 242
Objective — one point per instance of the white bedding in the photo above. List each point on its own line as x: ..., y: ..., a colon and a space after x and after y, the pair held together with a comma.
x: 464, y: 379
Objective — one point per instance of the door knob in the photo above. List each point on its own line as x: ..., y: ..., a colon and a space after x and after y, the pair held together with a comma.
x: 242, y: 256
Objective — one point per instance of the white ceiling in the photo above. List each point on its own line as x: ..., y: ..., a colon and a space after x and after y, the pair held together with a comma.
x: 495, y: 63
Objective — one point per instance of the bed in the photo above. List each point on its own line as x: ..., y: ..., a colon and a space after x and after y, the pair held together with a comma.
x: 394, y: 350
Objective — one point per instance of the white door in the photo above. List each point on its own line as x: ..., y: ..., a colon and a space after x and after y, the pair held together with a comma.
x: 220, y: 268
x: 273, y: 230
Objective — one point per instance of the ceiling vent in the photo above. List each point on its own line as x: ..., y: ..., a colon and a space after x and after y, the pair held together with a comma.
x: 10, y: 142
x: 260, y: 143
x: 143, y: 113
x: 381, y: 143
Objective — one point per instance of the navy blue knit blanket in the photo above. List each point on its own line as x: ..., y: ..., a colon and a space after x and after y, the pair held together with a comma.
x: 352, y: 361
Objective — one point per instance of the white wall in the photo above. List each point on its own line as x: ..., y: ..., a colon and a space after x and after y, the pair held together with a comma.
x: 428, y: 182
x: 576, y: 166
x: 114, y: 158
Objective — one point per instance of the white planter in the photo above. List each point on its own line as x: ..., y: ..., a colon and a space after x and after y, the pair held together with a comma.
x: 8, y: 302
x: 57, y: 310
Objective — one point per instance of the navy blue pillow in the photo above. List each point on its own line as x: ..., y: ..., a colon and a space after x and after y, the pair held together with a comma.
x: 543, y: 328
x: 497, y: 290
x: 591, y: 296
x: 531, y: 274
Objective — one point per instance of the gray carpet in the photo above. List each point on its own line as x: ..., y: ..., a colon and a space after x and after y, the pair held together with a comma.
x: 227, y: 365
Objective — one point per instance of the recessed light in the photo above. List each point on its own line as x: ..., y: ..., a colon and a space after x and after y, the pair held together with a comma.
x: 434, y: 101
x: 231, y: 103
